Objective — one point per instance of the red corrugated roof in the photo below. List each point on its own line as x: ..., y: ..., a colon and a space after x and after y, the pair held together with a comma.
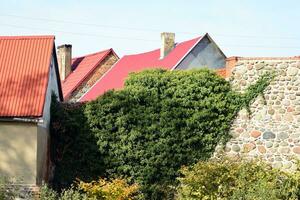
x: 24, y: 68
x: 82, y: 67
x: 115, y: 77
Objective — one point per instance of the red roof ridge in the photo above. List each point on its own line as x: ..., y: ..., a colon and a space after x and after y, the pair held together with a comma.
x: 92, y: 54
x: 22, y: 37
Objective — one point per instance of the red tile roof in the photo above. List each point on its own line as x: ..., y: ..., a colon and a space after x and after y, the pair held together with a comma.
x: 115, y: 77
x: 82, y: 67
x: 24, y: 68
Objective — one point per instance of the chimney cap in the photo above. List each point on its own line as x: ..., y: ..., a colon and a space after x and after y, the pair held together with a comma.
x: 64, y: 46
x: 167, y: 43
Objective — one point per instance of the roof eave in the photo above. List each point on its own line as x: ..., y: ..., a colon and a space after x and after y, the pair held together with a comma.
x: 22, y: 119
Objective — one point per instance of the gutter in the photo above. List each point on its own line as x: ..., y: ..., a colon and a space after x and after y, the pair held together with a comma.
x: 18, y: 119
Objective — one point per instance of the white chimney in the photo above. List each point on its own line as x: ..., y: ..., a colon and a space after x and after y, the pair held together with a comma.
x: 64, y: 58
x: 167, y: 43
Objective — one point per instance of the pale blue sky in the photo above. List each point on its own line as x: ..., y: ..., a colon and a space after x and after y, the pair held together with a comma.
x: 239, y: 27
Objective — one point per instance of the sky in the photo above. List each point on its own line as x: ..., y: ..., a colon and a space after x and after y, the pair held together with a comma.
x: 239, y: 27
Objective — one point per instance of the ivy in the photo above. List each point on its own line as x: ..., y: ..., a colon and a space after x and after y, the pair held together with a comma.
x: 159, y: 122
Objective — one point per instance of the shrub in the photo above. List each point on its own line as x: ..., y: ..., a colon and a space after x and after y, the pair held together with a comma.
x: 5, y: 191
x: 74, y: 150
x: 9, y: 190
x: 46, y: 193
x: 162, y: 120
x: 229, y: 179
x: 74, y: 194
x: 117, y: 189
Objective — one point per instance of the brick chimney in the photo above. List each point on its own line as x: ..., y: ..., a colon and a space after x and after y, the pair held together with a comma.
x: 167, y: 43
x: 64, y: 58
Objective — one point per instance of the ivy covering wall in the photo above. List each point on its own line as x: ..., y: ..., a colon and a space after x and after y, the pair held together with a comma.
x: 159, y: 122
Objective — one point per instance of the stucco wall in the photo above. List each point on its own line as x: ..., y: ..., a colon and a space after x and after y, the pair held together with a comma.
x: 18, y: 147
x: 272, y: 132
x: 204, y: 54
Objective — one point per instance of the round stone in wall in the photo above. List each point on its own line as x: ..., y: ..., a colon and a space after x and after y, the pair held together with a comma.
x: 236, y: 148
x: 269, y: 144
x: 296, y: 150
x: 255, y: 133
x: 268, y: 135
x: 292, y: 71
x: 282, y: 136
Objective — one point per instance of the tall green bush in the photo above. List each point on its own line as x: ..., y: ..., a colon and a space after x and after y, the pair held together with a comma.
x: 162, y: 120
x: 237, y: 180
x: 74, y: 150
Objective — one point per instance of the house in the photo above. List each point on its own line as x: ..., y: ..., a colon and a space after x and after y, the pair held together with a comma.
x: 28, y: 78
x: 195, y: 53
x: 80, y: 73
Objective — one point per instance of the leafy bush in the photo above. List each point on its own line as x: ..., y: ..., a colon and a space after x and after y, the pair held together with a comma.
x: 74, y: 194
x: 46, y: 193
x: 162, y: 120
x: 117, y: 189
x: 9, y: 190
x: 74, y: 150
x: 239, y: 179
x: 5, y: 191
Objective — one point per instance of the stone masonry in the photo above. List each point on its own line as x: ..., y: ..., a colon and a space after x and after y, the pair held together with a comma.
x: 272, y: 132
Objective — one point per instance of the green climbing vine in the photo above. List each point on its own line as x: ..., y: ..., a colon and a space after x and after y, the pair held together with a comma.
x: 256, y: 89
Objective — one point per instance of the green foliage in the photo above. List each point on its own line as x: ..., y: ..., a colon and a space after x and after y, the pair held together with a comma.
x: 74, y: 194
x: 163, y: 120
x: 236, y: 180
x: 256, y: 89
x: 9, y: 190
x: 74, y: 149
x: 47, y: 193
x: 116, y: 189
x: 5, y: 191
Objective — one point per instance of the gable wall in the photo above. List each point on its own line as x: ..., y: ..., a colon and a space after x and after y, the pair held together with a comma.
x: 205, y: 54
x: 103, y: 67
x: 43, y: 129
x: 273, y: 129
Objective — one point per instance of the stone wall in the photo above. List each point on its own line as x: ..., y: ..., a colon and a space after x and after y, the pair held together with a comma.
x: 103, y: 67
x: 272, y: 132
